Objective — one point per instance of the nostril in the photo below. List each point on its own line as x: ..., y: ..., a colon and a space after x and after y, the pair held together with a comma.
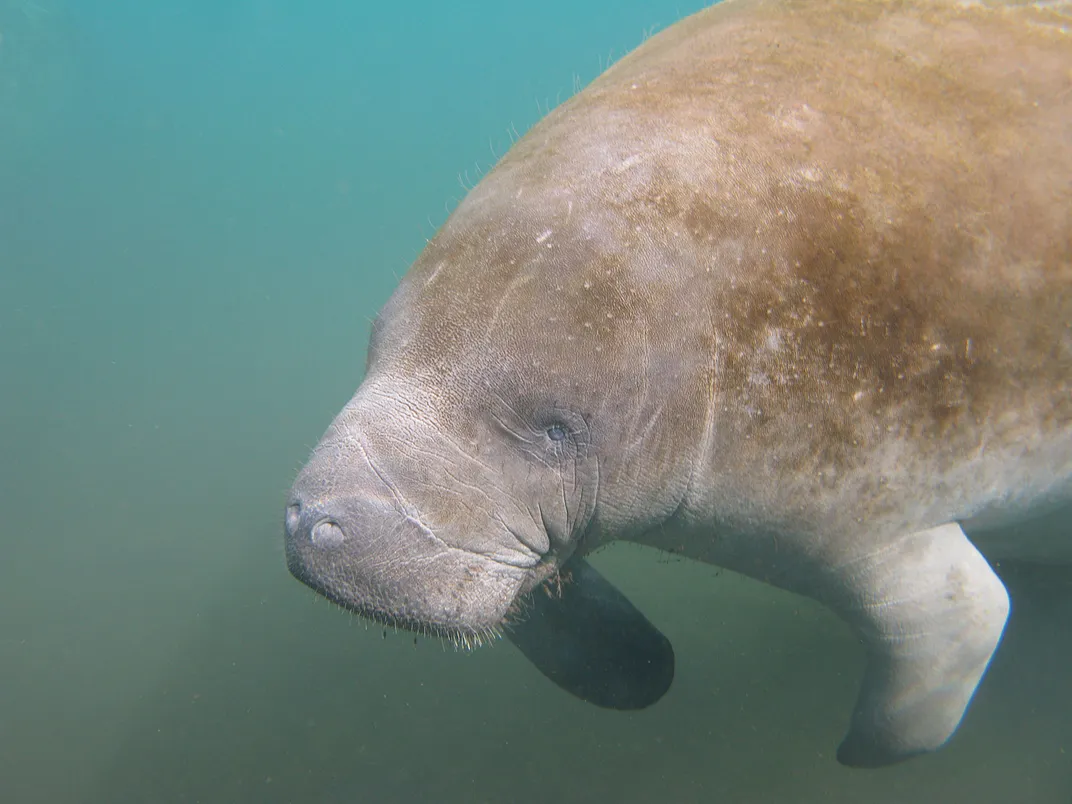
x: 327, y: 534
x: 293, y: 518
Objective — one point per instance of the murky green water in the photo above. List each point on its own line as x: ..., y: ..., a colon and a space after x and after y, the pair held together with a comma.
x: 201, y: 206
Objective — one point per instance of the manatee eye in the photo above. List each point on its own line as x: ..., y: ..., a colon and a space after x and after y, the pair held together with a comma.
x: 556, y: 432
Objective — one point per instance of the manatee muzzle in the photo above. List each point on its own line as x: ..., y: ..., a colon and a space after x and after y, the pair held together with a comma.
x: 373, y: 560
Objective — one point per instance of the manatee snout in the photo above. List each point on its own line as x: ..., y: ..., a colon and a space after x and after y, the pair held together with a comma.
x: 380, y: 538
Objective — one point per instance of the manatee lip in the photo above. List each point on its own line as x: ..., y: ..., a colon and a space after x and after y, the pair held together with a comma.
x: 458, y: 633
x: 341, y: 567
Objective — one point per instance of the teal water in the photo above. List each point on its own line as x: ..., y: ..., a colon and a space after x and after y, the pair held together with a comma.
x: 202, y: 204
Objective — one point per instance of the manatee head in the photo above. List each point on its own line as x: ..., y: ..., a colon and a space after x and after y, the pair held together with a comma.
x: 432, y: 502
x: 441, y: 492
x: 512, y: 409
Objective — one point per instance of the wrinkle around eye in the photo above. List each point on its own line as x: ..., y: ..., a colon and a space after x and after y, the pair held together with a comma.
x: 506, y: 428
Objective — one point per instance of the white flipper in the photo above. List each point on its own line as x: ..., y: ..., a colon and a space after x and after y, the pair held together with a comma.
x: 931, y: 612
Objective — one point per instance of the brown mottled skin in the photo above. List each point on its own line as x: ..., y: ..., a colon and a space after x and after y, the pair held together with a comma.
x: 794, y: 277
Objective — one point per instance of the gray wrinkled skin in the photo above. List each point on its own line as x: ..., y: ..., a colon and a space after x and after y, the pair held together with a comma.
x: 785, y: 290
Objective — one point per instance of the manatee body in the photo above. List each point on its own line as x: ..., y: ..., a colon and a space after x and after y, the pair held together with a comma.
x: 785, y: 290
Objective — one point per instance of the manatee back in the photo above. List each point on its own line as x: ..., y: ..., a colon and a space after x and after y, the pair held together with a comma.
x: 855, y: 219
x: 825, y: 245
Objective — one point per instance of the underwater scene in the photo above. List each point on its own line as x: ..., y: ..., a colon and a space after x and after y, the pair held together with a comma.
x: 715, y: 447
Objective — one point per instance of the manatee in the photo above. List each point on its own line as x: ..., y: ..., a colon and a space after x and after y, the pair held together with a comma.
x: 785, y: 290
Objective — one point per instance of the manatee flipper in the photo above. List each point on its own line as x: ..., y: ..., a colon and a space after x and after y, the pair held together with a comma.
x: 592, y: 642
x: 931, y: 612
